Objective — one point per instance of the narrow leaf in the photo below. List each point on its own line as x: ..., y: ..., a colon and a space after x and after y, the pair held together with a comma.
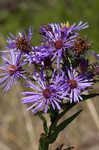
x: 89, y: 96
x: 97, y: 80
x: 62, y: 125
x: 66, y: 107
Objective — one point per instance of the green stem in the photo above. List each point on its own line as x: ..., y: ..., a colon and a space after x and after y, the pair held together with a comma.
x: 43, y: 143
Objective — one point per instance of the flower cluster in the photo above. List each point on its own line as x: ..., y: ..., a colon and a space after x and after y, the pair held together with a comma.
x: 61, y: 68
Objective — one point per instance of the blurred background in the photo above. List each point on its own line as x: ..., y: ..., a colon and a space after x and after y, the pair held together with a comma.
x: 20, y: 130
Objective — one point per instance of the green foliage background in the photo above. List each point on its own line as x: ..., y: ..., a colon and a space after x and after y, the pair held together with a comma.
x: 20, y: 14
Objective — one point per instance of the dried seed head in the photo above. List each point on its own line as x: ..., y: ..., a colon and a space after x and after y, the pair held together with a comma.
x: 81, y: 45
x: 22, y: 44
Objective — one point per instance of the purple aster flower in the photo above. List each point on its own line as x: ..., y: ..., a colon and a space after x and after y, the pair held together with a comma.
x: 21, y: 43
x: 44, y: 94
x: 75, y: 84
x: 56, y: 40
x: 12, y: 70
x: 73, y: 29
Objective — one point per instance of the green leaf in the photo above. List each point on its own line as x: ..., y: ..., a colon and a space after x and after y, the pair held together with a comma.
x: 62, y: 125
x: 66, y: 107
x: 97, y: 80
x: 42, y: 117
x: 89, y: 96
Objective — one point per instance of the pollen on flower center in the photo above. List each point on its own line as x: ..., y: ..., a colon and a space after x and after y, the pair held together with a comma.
x: 58, y: 44
x: 67, y: 25
x: 73, y: 84
x: 11, y: 69
x: 22, y: 44
x: 47, y: 93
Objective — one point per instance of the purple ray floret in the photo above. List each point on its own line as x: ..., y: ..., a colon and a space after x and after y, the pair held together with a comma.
x: 32, y: 57
x: 75, y: 84
x: 73, y: 29
x: 12, y: 70
x: 39, y: 54
x: 43, y: 94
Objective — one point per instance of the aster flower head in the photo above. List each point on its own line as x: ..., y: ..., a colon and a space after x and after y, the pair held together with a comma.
x: 73, y: 29
x: 56, y: 40
x: 75, y: 84
x: 21, y: 42
x: 12, y: 70
x: 53, y: 35
x: 44, y: 94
